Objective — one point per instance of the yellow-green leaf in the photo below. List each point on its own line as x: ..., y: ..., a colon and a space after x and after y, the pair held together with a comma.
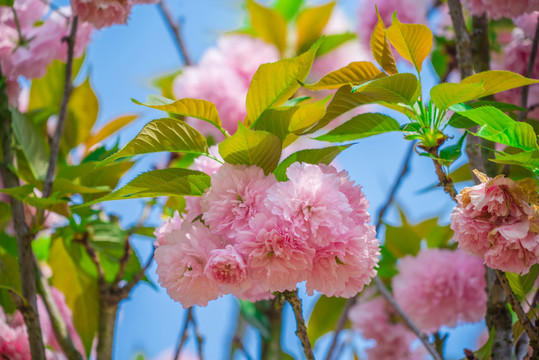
x: 398, y: 88
x: 79, y: 288
x: 324, y: 317
x: 310, y: 23
x: 355, y: 73
x: 252, y: 148
x: 381, y: 51
x: 163, y: 135
x: 31, y: 141
x: 307, y: 115
x: 268, y: 24
x: 412, y: 41
x: 495, y: 81
x: 200, y: 109
x: 82, y: 111
x: 273, y: 84
x: 448, y: 94
x: 109, y: 129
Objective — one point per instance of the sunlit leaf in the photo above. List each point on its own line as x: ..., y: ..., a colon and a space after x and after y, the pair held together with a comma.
x: 288, y: 8
x: 355, y: 73
x: 200, y: 109
x: 522, y: 284
x: 309, y: 156
x: 398, y: 88
x: 361, y: 126
x: 164, y: 83
x: 448, y: 94
x: 495, y: 81
x: 324, y: 317
x: 310, y: 23
x: 32, y: 143
x: 252, y: 148
x: 268, y: 24
x: 79, y: 288
x: 163, y: 182
x: 333, y: 41
x: 109, y: 129
x: 528, y: 159
x: 412, y: 41
x: 381, y: 50
x: 163, y: 135
x: 462, y: 122
x: 273, y: 84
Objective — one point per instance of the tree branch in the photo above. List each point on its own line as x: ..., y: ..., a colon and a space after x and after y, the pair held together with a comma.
x: 301, y: 332
x: 28, y: 308
x: 529, y: 73
x: 462, y: 37
x: 445, y: 181
x: 183, y: 334
x: 124, y: 291
x: 62, y: 114
x: 396, y: 185
x: 175, y: 31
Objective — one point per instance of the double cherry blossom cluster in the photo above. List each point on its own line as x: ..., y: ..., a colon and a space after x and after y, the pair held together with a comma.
x: 251, y: 235
x: 498, y: 220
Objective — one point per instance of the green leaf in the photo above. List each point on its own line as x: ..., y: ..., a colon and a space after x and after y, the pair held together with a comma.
x: 6, y: 2
x: 309, y: 156
x: 401, y: 241
x: 82, y: 111
x: 528, y: 159
x: 485, y: 352
x: 462, y: 173
x: 288, y: 8
x: 273, y: 84
x: 200, y: 109
x: 451, y: 153
x: 163, y: 135
x: 500, y: 128
x: 522, y: 284
x: 268, y: 24
x: 163, y: 182
x: 65, y: 187
x: 381, y: 51
x: 361, y: 126
x: 31, y: 141
x: 355, y: 73
x: 258, y: 319
x: 333, y: 41
x: 164, y: 83
x: 448, y: 94
x: 252, y: 148
x: 398, y: 88
x: 324, y: 317
x: 412, y: 41
x: 9, y: 273
x: 495, y: 81
x: 310, y: 23
x: 79, y: 288
x: 19, y: 192
x: 308, y: 115
x: 461, y: 122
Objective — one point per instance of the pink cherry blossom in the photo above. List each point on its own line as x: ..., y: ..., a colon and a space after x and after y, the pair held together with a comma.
x: 102, y: 13
x: 13, y: 339
x: 494, y: 220
x: 346, y: 266
x: 441, y: 287
x: 527, y: 23
x: 497, y: 9
x: 237, y: 194
x: 207, y: 164
x: 276, y: 258
x: 165, y: 233
x: 310, y: 204
x: 375, y: 320
x: 180, y: 265
x: 227, y: 268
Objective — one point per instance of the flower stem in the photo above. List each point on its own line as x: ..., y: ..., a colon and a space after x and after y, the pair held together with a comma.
x: 301, y: 332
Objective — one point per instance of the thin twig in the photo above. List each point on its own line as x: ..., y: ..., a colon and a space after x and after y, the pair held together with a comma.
x: 445, y: 181
x: 124, y: 291
x: 462, y: 37
x: 175, y: 30
x: 529, y: 73
x: 84, y: 240
x: 197, y: 336
x: 301, y: 332
x: 396, y: 185
x: 423, y: 337
x: 22, y: 233
x: 517, y: 308
x: 183, y: 334
x: 62, y: 114
x: 123, y: 262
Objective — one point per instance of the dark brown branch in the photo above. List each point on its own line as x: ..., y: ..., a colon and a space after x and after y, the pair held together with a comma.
x: 445, y: 181
x: 423, y: 337
x: 396, y: 185
x: 462, y: 37
x: 529, y: 73
x: 183, y: 333
x: 23, y: 234
x: 175, y: 31
x: 517, y: 308
x: 62, y: 114
x: 301, y: 332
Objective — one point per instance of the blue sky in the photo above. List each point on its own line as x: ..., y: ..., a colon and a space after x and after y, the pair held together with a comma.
x: 121, y: 62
